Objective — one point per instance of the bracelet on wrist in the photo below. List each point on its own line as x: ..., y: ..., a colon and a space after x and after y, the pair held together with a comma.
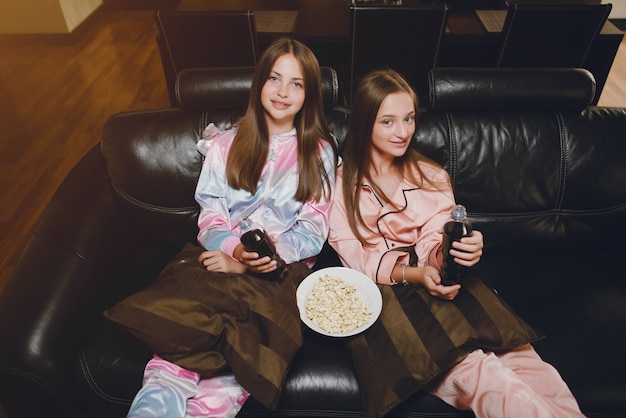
x: 404, y: 281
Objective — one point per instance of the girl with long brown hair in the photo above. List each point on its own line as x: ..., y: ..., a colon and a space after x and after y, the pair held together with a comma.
x: 220, y: 325
x: 460, y: 343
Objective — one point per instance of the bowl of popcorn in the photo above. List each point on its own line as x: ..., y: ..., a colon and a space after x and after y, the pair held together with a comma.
x: 338, y: 301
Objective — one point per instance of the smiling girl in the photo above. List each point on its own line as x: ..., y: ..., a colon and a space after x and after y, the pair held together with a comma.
x: 219, y: 329
x: 460, y: 343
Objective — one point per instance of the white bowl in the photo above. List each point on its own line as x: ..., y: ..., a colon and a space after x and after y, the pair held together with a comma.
x: 366, y: 290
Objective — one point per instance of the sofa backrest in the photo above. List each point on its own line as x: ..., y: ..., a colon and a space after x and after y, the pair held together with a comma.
x: 559, y: 89
x: 202, y: 89
x: 532, y: 162
x: 151, y: 155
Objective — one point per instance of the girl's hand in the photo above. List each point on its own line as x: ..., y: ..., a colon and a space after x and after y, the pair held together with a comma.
x: 256, y: 264
x: 431, y: 280
x: 215, y: 260
x: 468, y: 251
x: 252, y: 262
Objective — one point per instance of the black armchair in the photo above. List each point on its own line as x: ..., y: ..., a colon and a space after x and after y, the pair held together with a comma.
x: 550, y: 35
x: 403, y: 38
x: 199, y: 39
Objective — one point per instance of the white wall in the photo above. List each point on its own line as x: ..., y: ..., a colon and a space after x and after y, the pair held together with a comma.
x: 618, y: 11
x: 44, y: 16
x: 75, y: 11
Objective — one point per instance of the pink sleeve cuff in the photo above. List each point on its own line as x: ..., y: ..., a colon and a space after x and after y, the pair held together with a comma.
x: 432, y: 257
x: 387, y: 264
x: 230, y: 245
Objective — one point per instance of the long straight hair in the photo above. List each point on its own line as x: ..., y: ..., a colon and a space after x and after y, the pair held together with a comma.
x: 370, y: 93
x: 250, y: 147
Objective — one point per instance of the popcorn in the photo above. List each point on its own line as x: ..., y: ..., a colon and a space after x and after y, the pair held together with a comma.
x: 334, y: 306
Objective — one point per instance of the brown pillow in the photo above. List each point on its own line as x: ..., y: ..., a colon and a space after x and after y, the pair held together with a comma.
x: 207, y: 322
x: 419, y: 337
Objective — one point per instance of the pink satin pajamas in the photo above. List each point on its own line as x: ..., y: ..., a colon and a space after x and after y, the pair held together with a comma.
x: 513, y: 384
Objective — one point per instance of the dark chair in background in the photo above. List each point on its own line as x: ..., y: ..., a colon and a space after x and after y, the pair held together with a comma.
x: 550, y: 35
x: 403, y: 38
x: 196, y: 39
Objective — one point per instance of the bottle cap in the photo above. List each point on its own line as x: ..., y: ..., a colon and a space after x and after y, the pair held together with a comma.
x: 459, y: 212
x: 245, y: 223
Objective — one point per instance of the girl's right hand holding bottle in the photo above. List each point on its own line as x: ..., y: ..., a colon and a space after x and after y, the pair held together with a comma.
x: 252, y: 262
x: 216, y: 260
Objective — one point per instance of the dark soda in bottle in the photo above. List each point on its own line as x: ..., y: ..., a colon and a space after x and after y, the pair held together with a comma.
x: 456, y: 228
x: 254, y: 239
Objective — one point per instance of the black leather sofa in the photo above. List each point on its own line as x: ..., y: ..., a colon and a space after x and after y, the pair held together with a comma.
x: 542, y: 173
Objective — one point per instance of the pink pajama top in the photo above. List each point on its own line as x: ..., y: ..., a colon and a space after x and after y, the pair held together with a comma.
x: 418, y: 224
x: 300, y: 227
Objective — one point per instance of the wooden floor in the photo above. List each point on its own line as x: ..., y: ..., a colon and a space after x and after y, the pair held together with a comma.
x: 54, y: 100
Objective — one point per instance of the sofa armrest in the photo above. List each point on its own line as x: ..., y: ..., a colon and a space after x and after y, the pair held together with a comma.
x: 58, y: 288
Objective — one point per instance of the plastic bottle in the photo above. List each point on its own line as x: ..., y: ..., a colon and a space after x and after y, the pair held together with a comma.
x: 254, y: 239
x: 456, y: 228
